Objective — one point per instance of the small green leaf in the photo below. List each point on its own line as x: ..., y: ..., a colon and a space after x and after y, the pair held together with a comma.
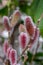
x: 22, y: 57
x: 29, y: 56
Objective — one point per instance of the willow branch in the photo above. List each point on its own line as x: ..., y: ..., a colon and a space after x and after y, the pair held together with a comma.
x: 39, y: 20
x: 12, y: 38
x: 28, y: 46
x: 35, y: 52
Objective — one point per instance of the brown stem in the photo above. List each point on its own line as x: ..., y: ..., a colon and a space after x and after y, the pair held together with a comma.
x: 39, y: 20
x: 25, y: 59
x: 22, y: 53
x: 35, y: 52
x: 12, y: 38
x: 7, y: 62
x: 28, y: 46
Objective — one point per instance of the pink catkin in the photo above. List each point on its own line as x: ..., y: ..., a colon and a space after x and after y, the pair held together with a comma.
x: 5, y: 46
x: 16, y: 16
x: 30, y: 27
x: 23, y: 40
x: 36, y: 35
x: 34, y: 41
x: 6, y: 23
x: 17, y: 13
x: 8, y: 52
x: 13, y: 56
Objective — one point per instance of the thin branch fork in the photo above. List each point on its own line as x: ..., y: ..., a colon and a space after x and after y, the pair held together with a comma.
x: 28, y: 46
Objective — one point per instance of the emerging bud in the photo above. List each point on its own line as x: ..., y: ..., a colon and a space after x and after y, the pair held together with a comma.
x: 13, y: 56
x: 6, y: 23
x: 23, y: 40
x: 30, y: 26
x: 15, y: 17
x: 36, y: 35
x: 22, y: 28
x: 5, y: 46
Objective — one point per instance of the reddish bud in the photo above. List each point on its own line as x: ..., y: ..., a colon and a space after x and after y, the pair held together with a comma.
x: 6, y: 23
x: 30, y: 26
x: 36, y: 35
x: 16, y: 16
x: 5, y: 46
x: 17, y: 13
x: 13, y: 56
x: 23, y: 40
x: 8, y: 52
x: 34, y: 41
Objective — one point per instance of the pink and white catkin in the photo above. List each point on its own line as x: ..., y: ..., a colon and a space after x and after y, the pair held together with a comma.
x: 15, y: 17
x: 5, y: 46
x: 30, y: 27
x: 34, y: 41
x: 8, y: 52
x: 6, y: 23
x: 23, y: 40
x: 13, y: 56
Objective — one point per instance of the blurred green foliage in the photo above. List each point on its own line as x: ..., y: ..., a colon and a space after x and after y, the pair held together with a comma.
x: 37, y: 58
x: 4, y: 11
x: 0, y: 1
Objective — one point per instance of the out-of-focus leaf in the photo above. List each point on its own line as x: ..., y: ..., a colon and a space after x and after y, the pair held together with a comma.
x: 0, y: 1
x: 29, y: 56
x: 40, y: 54
x: 37, y: 15
x: 25, y: 63
x: 34, y: 8
x: 37, y: 58
x: 15, y: 2
x: 8, y: 3
x: 23, y: 5
x: 4, y: 11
